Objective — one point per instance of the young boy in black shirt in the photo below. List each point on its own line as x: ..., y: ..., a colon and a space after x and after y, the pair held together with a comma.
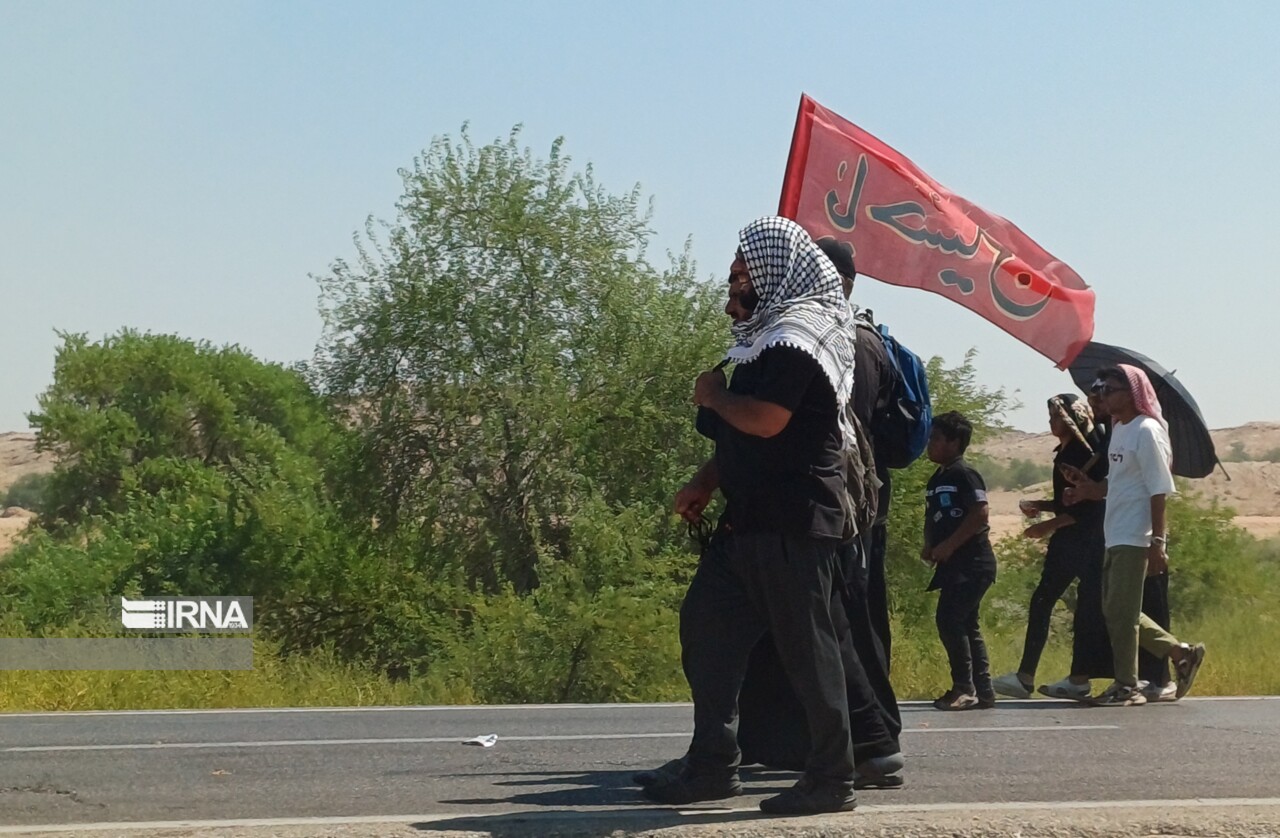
x: 956, y: 543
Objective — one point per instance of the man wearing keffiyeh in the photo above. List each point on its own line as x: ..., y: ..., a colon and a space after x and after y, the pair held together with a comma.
x: 1134, y: 527
x: 771, y: 566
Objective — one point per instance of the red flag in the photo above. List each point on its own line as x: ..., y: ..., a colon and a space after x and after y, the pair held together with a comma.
x: 907, y: 229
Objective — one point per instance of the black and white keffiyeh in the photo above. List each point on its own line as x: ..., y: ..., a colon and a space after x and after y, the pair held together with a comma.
x: 802, y: 303
x: 1075, y: 411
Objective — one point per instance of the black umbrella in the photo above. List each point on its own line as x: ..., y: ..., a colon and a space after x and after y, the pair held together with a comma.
x: 1193, y: 454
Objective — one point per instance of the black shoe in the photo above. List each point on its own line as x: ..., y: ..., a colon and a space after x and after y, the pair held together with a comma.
x: 986, y: 702
x: 807, y: 798
x: 663, y: 774
x: 1192, y: 657
x: 954, y: 699
x: 879, y: 773
x: 1120, y: 695
x: 888, y: 781
x: 691, y: 788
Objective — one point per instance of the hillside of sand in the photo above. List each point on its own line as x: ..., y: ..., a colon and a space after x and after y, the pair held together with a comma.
x: 18, y: 457
x: 1250, y: 487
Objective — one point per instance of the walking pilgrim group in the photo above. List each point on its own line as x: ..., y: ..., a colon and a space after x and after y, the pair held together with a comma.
x: 784, y: 630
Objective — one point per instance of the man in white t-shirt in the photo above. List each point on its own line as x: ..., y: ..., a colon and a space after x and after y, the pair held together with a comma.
x: 1136, y: 488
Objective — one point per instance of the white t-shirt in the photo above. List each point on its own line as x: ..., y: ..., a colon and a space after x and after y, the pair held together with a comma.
x: 1140, y: 455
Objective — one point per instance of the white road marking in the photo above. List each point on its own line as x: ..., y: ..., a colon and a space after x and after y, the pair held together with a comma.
x: 290, y: 743
x: 492, y: 818
x: 381, y: 708
x: 434, y: 740
x: 1007, y: 728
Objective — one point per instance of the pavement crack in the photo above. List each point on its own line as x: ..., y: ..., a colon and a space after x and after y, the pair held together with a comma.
x: 1245, y: 730
x: 46, y: 788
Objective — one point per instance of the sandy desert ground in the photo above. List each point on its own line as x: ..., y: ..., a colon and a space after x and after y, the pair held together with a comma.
x: 1252, y: 489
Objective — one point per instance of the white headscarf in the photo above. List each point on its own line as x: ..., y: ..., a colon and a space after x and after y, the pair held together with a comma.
x: 802, y: 304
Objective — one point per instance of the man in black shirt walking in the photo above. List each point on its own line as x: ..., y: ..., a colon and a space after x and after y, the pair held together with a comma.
x: 771, y: 565
x: 872, y: 390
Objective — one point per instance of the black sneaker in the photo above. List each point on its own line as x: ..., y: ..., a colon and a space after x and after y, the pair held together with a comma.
x: 663, y: 774
x: 1120, y: 695
x: 692, y: 788
x: 986, y: 702
x: 954, y: 699
x: 886, y: 781
x: 879, y: 772
x: 808, y: 798
x: 1186, y: 669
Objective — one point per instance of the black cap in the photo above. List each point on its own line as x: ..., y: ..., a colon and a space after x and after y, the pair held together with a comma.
x: 841, y: 255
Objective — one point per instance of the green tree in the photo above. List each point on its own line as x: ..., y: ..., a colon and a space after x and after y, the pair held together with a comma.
x: 28, y: 492
x: 181, y: 468
x: 506, y: 352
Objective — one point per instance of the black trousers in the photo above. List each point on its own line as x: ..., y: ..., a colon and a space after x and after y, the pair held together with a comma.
x: 1066, y: 560
x: 748, y: 584
x: 1091, y: 646
x: 957, y: 619
x: 1090, y: 643
x: 861, y: 608
x: 877, y: 589
x: 771, y: 724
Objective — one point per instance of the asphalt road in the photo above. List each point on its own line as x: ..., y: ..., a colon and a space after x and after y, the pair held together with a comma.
x: 564, y: 761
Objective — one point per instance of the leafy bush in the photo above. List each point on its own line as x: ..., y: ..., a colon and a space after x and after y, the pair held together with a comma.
x: 601, y: 627
x: 1015, y: 474
x: 29, y: 492
x: 1236, y: 454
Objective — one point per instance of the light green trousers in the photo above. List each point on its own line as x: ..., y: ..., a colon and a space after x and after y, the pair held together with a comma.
x: 1124, y: 570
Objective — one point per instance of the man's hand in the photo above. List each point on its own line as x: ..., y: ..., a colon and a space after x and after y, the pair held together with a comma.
x: 1044, y: 529
x: 1157, y: 559
x: 692, y: 498
x: 1082, y: 488
x: 1075, y: 476
x: 942, y: 552
x: 709, y: 385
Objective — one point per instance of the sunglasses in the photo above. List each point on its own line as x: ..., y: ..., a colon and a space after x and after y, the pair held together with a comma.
x: 1104, y: 390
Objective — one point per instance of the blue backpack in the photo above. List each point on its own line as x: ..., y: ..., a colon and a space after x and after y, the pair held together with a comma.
x: 902, y: 426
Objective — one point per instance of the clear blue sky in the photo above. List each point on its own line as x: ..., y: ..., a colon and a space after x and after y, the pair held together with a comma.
x: 183, y: 167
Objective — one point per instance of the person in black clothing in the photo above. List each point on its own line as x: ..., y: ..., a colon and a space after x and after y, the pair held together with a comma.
x: 1076, y: 544
x: 1091, y: 655
x: 771, y: 726
x: 957, y: 544
x: 868, y: 600
x: 771, y: 565
x: 872, y: 390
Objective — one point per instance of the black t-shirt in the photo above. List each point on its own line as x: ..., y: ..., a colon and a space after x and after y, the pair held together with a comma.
x: 950, y: 496
x: 789, y: 482
x: 1087, y: 514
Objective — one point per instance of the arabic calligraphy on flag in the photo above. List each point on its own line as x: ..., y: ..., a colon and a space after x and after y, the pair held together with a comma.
x: 907, y: 229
